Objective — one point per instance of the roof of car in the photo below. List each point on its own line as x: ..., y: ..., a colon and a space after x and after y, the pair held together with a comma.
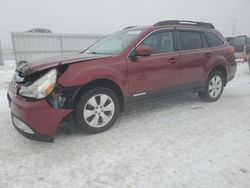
x: 185, y: 23
x: 175, y: 23
x: 40, y: 30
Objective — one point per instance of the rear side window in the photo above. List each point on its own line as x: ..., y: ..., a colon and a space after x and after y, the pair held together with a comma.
x: 213, y: 39
x: 190, y: 40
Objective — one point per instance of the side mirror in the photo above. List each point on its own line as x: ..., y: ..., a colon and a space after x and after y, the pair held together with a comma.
x: 143, y: 51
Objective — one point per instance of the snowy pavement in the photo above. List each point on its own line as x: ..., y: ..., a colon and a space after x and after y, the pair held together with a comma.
x: 176, y: 141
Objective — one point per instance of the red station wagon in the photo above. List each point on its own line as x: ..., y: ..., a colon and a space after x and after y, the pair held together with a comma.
x: 136, y: 63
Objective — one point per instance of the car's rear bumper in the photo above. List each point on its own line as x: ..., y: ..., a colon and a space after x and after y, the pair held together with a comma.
x: 35, y: 120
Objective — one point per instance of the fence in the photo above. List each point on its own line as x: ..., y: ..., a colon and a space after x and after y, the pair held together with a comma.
x: 32, y: 46
x: 1, y: 56
x: 8, y: 54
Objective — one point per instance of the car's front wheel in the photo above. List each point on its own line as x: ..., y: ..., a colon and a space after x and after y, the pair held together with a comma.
x: 214, y: 87
x: 97, y: 110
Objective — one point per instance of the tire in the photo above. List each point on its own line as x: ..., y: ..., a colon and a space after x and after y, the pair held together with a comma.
x: 97, y: 110
x: 214, y: 87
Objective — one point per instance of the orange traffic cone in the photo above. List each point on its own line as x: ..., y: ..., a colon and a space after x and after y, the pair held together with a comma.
x: 244, y: 55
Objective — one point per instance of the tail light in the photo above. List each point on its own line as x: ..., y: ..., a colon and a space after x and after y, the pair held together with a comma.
x: 232, y: 50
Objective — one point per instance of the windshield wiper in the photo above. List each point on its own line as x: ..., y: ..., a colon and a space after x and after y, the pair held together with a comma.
x: 94, y: 53
x: 99, y: 53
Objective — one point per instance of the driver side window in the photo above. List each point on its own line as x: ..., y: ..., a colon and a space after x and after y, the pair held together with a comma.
x: 239, y: 41
x: 160, y: 42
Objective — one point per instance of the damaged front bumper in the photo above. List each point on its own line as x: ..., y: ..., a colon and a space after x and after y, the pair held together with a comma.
x: 36, y: 120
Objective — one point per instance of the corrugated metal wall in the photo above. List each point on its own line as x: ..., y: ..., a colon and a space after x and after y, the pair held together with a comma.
x: 8, y: 54
x: 32, y: 46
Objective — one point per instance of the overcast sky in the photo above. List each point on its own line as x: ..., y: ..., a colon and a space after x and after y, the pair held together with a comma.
x: 106, y: 16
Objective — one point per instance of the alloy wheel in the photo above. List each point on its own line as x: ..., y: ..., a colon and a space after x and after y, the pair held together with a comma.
x: 99, y: 110
x: 215, y: 86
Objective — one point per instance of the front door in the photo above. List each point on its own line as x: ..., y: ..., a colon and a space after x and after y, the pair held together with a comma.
x: 155, y: 74
x: 238, y: 43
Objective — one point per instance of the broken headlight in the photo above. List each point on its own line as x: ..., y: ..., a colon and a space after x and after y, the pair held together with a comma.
x: 42, y: 87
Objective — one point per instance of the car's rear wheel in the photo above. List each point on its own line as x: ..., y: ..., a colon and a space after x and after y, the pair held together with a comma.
x: 214, y: 87
x: 97, y: 110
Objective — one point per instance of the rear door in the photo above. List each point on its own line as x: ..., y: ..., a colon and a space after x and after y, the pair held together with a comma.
x: 194, y: 55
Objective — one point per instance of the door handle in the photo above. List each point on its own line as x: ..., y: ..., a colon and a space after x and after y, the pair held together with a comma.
x: 208, y: 54
x: 172, y: 60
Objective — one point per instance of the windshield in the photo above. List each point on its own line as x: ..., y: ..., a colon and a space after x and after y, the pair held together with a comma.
x: 115, y: 43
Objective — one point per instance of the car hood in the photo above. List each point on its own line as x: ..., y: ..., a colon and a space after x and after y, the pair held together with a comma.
x: 28, y: 68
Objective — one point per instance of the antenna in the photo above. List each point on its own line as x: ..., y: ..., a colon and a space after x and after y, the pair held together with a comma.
x: 235, y: 21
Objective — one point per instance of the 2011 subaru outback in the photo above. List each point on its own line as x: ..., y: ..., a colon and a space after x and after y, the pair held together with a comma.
x: 132, y: 64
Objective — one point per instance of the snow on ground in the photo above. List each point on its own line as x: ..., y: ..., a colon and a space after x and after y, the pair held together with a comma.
x: 6, y: 74
x: 176, y: 141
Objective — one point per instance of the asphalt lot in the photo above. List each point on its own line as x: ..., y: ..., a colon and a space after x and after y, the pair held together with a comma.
x: 176, y: 141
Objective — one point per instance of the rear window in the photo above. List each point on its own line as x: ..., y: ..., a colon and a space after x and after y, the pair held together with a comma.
x: 213, y: 39
x: 190, y: 40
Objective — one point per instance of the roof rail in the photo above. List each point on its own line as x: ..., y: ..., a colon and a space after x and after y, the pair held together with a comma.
x: 184, y: 22
x: 129, y: 27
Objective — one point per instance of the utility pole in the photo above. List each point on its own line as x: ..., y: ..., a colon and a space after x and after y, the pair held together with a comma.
x: 235, y: 21
x: 1, y: 56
